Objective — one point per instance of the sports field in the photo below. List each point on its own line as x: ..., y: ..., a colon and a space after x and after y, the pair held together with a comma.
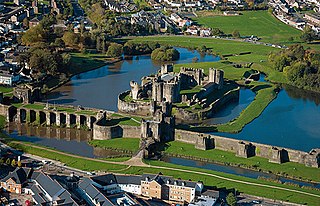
x: 259, y: 23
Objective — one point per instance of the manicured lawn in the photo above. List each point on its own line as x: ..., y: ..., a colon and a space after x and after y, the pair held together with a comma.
x: 290, y: 168
x: 85, y: 62
x: 265, y: 93
x: 78, y: 163
x: 240, y: 187
x: 258, y: 23
x: 124, y: 120
x: 34, y: 106
x: 130, y: 144
x: 219, y: 46
x: 92, y: 165
x: 5, y: 89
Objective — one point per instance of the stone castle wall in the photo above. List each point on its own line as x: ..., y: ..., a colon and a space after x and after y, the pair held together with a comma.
x: 137, y: 107
x: 209, y: 112
x: 274, y: 154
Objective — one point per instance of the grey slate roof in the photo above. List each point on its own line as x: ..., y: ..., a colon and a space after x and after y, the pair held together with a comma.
x: 19, y: 175
x: 128, y: 179
x: 168, y: 180
x: 86, y: 186
x: 105, y: 180
x: 52, y: 187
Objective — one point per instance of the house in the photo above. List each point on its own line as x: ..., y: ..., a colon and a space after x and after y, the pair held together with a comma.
x: 231, y: 13
x: 35, y: 21
x: 91, y: 194
x: 129, y: 183
x: 167, y: 188
x: 47, y: 191
x: 313, y: 18
x: 192, y: 30
x: 15, y: 180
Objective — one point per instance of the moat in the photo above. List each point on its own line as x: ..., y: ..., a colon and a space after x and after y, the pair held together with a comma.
x: 293, y: 117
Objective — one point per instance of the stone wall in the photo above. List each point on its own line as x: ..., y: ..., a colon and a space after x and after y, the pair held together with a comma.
x: 188, y: 116
x: 137, y: 107
x: 248, y: 149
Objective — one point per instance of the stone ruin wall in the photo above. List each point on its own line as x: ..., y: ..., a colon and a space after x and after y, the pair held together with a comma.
x: 233, y: 145
x: 137, y: 107
x: 208, y: 112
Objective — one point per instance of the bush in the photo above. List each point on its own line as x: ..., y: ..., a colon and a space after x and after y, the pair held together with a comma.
x: 115, y: 50
x: 165, y: 54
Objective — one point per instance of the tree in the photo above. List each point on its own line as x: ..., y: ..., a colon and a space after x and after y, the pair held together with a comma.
x: 236, y: 34
x: 19, y: 164
x: 115, y: 50
x: 33, y: 35
x: 231, y: 199
x: 25, y: 23
x: 308, y: 34
x: 13, y: 163
x: 70, y: 39
x: 8, y: 161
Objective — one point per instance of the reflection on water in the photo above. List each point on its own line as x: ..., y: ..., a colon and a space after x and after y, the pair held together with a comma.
x: 64, y: 139
x: 292, y: 120
x: 233, y: 109
x: 233, y: 170
x: 100, y: 88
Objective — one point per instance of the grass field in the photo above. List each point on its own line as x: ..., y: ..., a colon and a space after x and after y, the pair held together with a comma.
x: 130, y: 144
x: 258, y: 23
x: 188, y: 173
x: 85, y: 62
x: 290, y: 168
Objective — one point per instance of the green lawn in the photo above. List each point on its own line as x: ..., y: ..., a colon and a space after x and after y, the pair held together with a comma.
x: 265, y: 94
x: 219, y: 46
x: 85, y: 62
x: 130, y: 144
x: 258, y: 23
x: 290, y: 168
x: 6, y: 89
x: 92, y: 165
x: 78, y: 163
x: 124, y: 120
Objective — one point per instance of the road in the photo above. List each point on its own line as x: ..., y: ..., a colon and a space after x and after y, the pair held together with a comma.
x: 136, y: 161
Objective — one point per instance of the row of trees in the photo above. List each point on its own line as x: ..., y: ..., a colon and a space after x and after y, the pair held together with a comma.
x: 301, y: 67
x: 165, y: 54
x: 12, y: 162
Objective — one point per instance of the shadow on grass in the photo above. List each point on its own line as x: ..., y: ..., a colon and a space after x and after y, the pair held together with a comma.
x: 260, y: 87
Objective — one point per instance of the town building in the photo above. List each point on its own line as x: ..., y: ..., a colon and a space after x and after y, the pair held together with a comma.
x: 16, y: 180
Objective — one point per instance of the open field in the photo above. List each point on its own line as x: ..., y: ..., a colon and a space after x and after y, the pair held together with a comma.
x: 85, y: 62
x: 258, y: 23
x: 211, y: 178
x: 219, y: 46
x: 130, y: 144
x: 291, y: 169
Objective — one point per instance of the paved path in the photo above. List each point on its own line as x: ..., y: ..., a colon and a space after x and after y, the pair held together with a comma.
x: 135, y: 162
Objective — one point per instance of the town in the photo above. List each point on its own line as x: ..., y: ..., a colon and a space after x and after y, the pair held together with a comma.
x: 151, y: 102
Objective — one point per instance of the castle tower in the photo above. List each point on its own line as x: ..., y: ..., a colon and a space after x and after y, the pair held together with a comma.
x: 157, y: 90
x: 134, y: 89
x: 219, y: 78
x: 212, y: 75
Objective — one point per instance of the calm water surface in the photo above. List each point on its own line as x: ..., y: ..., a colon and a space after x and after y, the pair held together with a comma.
x: 233, y: 170
x: 292, y: 120
x: 100, y: 88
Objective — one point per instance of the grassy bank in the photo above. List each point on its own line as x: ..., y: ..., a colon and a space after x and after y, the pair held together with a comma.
x: 246, y: 188
x: 219, y: 46
x: 78, y: 163
x: 265, y: 93
x: 186, y: 173
x: 258, y: 23
x: 291, y: 169
x: 130, y: 144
